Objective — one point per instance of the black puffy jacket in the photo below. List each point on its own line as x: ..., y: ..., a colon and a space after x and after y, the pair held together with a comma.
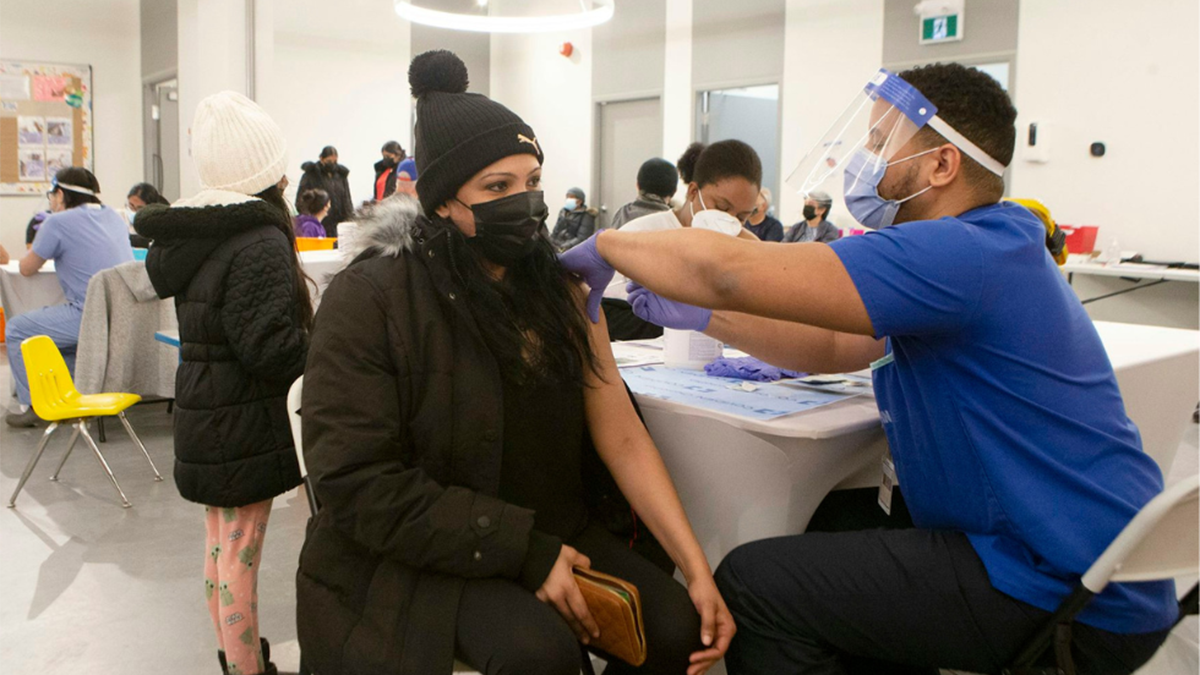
x: 403, y: 437
x: 232, y: 274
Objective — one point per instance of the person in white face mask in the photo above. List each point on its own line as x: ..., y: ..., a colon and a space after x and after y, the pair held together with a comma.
x: 1016, y: 460
x: 723, y: 183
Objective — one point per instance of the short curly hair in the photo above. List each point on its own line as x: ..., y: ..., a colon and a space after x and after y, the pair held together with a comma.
x: 975, y: 104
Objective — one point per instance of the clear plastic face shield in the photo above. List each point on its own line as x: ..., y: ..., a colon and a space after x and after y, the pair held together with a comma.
x: 851, y: 158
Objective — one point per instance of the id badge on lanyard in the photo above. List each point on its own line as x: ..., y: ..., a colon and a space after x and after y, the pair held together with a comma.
x: 887, y: 483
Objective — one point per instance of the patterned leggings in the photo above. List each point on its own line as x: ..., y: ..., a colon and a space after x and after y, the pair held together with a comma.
x: 234, y: 545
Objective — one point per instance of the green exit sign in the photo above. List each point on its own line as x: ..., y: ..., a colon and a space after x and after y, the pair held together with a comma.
x: 936, y: 29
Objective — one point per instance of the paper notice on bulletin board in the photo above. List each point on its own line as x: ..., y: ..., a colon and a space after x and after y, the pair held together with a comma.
x: 45, y: 123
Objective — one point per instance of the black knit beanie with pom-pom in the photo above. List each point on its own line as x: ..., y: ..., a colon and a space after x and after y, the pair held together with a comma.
x: 458, y: 134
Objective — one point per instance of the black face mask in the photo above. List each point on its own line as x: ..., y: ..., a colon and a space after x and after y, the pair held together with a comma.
x: 506, y: 229
x: 810, y: 212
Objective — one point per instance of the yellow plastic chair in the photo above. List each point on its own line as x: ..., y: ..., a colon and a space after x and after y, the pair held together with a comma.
x: 56, y: 400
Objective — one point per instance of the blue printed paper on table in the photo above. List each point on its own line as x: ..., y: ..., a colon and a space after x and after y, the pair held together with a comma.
x: 724, y: 394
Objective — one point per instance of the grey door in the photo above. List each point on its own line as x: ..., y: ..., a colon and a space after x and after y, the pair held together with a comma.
x: 162, y: 137
x: 628, y: 133
x: 749, y: 114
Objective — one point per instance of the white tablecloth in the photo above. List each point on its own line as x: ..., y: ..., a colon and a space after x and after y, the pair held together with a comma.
x: 741, y: 480
x: 20, y: 294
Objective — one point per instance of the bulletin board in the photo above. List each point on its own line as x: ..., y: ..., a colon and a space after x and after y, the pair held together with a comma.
x: 45, y: 123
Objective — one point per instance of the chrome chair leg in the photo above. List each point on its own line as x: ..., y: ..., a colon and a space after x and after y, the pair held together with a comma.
x: 32, y: 462
x: 70, y: 447
x: 91, y: 443
x: 138, y: 442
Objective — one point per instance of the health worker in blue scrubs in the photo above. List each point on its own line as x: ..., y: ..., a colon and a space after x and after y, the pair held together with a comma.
x: 1009, y: 438
x: 82, y: 237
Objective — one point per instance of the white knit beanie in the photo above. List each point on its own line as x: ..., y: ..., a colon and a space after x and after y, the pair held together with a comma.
x: 236, y: 145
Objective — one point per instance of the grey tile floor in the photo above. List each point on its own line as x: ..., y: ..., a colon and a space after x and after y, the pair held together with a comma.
x: 90, y: 587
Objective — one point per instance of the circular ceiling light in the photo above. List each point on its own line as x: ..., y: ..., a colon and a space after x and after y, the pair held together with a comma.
x: 602, y: 10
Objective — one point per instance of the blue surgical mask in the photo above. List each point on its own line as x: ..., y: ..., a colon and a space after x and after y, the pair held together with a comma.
x: 862, y: 175
x: 571, y: 204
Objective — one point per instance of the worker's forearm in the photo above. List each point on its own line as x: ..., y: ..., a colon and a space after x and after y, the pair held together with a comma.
x: 673, y: 266
x: 795, y: 346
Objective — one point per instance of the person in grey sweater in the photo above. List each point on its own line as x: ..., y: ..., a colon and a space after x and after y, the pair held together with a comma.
x: 657, y: 180
x: 814, y: 227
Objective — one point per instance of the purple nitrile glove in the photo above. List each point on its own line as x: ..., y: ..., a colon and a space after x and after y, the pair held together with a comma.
x: 654, y: 308
x: 584, y: 261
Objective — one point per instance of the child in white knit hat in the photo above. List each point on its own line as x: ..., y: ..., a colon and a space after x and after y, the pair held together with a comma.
x: 227, y: 255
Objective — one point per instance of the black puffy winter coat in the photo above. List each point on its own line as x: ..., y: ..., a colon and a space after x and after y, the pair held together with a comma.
x: 403, y: 438
x: 334, y: 179
x: 232, y: 274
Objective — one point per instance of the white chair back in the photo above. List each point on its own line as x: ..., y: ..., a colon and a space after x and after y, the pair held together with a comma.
x: 293, y: 405
x: 1161, y: 542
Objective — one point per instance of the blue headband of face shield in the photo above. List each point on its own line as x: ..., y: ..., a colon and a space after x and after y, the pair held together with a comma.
x: 55, y: 185
x: 918, y: 109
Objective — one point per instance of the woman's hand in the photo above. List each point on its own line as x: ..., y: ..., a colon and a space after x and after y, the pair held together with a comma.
x: 562, y: 593
x: 716, y: 624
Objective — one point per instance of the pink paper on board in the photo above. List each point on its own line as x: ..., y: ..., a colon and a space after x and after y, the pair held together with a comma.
x: 49, y: 87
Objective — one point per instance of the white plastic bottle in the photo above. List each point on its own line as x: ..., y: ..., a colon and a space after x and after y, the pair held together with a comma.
x: 689, y: 349
x: 1112, y: 254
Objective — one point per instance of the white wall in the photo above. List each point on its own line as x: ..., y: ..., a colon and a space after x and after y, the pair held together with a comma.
x: 553, y: 94
x: 821, y: 73
x: 1127, y: 77
x: 106, y: 35
x: 339, y: 76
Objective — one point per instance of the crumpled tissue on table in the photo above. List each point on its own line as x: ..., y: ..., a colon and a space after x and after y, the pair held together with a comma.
x: 748, y: 368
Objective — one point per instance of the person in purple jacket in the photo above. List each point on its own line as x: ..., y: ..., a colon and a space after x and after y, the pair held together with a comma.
x: 313, y: 205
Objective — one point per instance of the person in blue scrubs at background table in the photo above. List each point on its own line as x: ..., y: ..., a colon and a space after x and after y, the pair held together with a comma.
x: 82, y: 237
x: 1009, y: 437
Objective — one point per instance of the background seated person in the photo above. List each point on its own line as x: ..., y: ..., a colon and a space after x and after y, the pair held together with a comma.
x: 313, y: 206
x: 657, y: 180
x: 82, y: 237
x: 761, y: 223
x: 140, y: 196
x: 576, y: 221
x: 815, y: 226
x: 723, y: 182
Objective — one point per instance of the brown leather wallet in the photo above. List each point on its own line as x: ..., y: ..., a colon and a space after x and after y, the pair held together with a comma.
x: 617, y: 609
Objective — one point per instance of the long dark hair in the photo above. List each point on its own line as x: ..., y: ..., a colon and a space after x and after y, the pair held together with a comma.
x: 531, y: 319
x: 274, y: 196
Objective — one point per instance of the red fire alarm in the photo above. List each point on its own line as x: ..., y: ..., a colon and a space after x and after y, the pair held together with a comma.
x: 567, y: 49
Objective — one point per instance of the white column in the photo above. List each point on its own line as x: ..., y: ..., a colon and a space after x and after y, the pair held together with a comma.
x: 212, y: 58
x: 678, y: 103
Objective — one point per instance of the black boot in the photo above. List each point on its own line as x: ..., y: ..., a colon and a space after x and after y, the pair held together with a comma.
x: 266, y: 652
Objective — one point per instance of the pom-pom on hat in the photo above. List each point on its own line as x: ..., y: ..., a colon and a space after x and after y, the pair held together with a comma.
x: 458, y: 134
x: 236, y: 145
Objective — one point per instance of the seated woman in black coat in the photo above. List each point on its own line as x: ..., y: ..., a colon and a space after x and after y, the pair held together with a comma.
x: 452, y: 386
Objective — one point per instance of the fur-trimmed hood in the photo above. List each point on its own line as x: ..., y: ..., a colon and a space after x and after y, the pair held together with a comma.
x: 387, y: 228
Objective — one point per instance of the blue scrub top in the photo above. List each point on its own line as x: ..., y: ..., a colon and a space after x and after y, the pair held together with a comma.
x: 1001, y: 407
x: 82, y: 241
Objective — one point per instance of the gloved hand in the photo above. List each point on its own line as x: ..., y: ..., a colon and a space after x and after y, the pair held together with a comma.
x: 660, y: 311
x: 584, y: 261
